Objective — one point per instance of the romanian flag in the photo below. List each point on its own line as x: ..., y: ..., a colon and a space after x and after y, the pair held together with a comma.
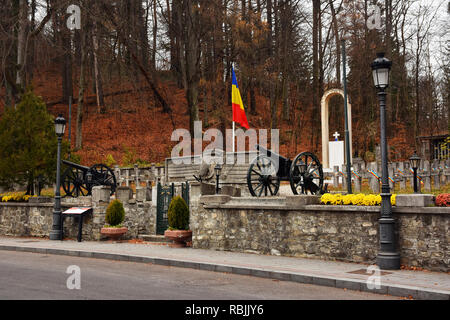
x: 238, y: 107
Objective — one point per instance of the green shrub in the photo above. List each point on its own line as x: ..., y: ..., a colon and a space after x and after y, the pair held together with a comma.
x: 178, y: 214
x: 115, y: 213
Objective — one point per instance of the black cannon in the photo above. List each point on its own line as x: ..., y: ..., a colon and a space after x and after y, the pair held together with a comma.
x: 268, y: 169
x: 78, y: 180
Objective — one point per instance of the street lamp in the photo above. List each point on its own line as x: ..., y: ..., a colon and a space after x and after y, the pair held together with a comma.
x: 56, y: 232
x: 414, y: 161
x: 217, y: 170
x: 387, y: 258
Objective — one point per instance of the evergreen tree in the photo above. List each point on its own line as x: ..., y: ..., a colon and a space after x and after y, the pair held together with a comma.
x: 28, y: 144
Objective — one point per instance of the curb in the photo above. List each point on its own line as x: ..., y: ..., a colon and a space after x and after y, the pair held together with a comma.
x: 351, y: 284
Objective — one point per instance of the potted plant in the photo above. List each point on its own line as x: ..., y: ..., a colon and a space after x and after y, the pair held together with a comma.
x: 178, y: 218
x: 115, y: 214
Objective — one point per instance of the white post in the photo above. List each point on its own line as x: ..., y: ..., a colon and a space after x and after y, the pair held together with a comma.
x: 233, y: 138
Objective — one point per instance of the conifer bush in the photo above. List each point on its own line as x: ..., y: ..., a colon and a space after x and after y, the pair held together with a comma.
x: 178, y: 214
x: 115, y: 213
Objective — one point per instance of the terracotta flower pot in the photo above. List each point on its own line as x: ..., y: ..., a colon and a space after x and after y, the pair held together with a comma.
x: 179, y: 237
x: 114, y: 233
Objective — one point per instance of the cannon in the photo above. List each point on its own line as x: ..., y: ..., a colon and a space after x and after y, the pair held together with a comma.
x: 268, y: 169
x: 78, y: 180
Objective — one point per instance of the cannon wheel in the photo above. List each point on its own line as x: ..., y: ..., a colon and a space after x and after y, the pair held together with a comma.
x: 313, y: 177
x: 262, y: 177
x: 72, y: 182
x: 102, y: 175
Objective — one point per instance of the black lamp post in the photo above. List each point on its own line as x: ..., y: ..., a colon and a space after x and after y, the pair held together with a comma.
x: 414, y: 161
x: 387, y: 258
x: 56, y: 232
x: 217, y: 170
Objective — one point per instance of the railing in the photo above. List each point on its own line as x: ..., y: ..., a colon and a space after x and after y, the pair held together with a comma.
x: 431, y: 175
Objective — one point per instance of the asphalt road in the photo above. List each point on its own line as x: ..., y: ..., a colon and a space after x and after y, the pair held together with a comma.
x: 36, y: 276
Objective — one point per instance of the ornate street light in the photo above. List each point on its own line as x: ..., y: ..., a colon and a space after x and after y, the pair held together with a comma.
x: 217, y: 170
x: 414, y: 161
x: 60, y: 126
x: 56, y: 232
x: 381, y: 68
x: 387, y: 258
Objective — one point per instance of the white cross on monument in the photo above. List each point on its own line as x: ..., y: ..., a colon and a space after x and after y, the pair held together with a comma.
x: 336, y: 135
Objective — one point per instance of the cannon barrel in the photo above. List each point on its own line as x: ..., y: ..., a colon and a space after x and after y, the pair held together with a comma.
x: 75, y: 165
x: 270, y: 153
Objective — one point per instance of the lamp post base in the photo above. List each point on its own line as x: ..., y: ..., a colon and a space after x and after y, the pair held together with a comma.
x: 55, y: 235
x: 388, y: 260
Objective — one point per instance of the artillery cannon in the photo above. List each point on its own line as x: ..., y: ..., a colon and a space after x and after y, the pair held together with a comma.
x: 268, y: 169
x: 78, y: 180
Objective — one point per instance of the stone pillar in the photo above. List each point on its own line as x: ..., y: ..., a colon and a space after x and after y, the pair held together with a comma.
x: 124, y: 194
x: 427, y: 176
x: 101, y: 194
x: 401, y: 167
x: 336, y: 177
x: 373, y: 181
x: 127, y: 178
x: 391, y: 175
x: 136, y: 175
x: 437, y: 178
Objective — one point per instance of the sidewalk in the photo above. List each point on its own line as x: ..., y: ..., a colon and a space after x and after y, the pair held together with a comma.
x: 353, y: 276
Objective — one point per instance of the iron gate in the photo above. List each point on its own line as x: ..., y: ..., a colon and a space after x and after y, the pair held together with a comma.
x: 165, y: 195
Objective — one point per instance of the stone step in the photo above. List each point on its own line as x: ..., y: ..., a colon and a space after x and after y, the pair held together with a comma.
x: 153, y: 238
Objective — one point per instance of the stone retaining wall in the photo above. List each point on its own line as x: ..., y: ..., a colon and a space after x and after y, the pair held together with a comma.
x: 347, y: 233
x: 35, y: 219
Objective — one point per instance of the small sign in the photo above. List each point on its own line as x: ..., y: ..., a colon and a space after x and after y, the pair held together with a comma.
x: 77, y: 210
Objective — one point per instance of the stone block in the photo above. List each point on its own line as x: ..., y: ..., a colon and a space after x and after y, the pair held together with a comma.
x: 414, y: 200
x: 40, y: 199
x: 124, y: 194
x: 301, y: 200
x: 148, y: 193
x: 207, y: 189
x: 101, y: 194
x: 141, y: 194
x: 231, y: 191
x: 215, y: 199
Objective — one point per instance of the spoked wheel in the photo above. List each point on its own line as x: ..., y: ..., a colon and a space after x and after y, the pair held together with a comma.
x: 102, y: 175
x: 72, y: 182
x: 262, y: 179
x: 306, y: 175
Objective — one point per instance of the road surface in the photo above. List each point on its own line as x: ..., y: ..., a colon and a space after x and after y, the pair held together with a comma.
x: 37, y: 276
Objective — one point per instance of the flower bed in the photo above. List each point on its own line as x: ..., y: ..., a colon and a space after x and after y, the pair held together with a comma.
x: 443, y: 200
x: 14, y: 197
x: 354, y: 199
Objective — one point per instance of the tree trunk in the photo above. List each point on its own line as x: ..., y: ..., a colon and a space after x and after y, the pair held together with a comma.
x: 79, y: 122
x: 21, y: 43
x: 97, y: 75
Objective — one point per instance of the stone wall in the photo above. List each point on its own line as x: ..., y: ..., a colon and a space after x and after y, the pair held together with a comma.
x: 347, y: 233
x: 35, y: 219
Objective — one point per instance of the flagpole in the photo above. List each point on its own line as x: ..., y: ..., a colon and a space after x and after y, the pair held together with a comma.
x: 233, y: 137
x: 232, y: 68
